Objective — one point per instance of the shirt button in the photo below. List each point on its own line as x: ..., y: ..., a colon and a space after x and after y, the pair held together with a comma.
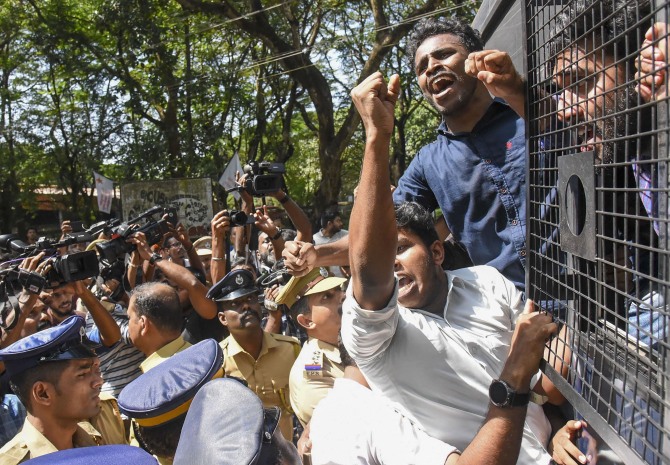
x: 515, y: 221
x: 487, y: 161
x: 523, y: 253
x: 503, y: 191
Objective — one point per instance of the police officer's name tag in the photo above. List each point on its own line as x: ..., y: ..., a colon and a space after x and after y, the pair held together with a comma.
x: 313, y: 371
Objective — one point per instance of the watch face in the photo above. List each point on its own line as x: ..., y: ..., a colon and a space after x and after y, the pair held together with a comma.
x: 498, y: 393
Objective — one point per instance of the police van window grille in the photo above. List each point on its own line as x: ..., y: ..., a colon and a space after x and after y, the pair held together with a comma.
x: 599, y: 127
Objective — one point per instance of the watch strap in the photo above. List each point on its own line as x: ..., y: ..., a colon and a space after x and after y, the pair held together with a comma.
x: 155, y: 257
x: 511, y: 398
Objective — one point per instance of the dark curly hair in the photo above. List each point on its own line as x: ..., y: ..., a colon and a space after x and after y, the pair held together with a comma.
x: 412, y: 217
x: 612, y: 24
x: 429, y: 27
x: 161, y: 440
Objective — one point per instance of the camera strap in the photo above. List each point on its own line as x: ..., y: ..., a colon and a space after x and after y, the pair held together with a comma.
x: 9, y: 317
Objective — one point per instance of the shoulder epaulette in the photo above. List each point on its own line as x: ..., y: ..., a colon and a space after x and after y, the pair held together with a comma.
x: 281, y: 337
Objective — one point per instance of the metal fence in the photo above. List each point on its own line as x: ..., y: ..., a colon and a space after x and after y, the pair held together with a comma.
x: 598, y: 201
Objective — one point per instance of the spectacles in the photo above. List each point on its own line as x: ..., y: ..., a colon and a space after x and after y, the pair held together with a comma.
x: 177, y: 245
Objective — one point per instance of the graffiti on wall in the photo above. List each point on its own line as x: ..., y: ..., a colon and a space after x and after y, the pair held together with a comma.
x: 192, y: 198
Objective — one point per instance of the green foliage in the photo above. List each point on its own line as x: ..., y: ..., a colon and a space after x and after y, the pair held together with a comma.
x: 149, y: 89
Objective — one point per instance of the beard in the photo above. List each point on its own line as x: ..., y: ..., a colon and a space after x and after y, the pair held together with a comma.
x: 618, y: 124
x: 268, y: 259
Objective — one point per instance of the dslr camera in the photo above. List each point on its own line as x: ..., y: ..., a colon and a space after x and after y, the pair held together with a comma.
x: 239, y: 218
x: 263, y: 178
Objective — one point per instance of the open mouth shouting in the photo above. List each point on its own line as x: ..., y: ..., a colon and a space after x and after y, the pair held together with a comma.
x: 405, y: 285
x: 441, y: 83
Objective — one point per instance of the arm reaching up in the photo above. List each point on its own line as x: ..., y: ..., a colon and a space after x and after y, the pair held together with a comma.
x: 373, y: 234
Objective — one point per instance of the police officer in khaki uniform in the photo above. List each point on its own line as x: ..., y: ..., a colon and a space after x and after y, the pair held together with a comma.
x: 262, y: 359
x: 56, y: 375
x: 109, y: 422
x: 315, y: 302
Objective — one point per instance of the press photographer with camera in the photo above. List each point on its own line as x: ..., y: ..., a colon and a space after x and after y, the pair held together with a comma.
x: 179, y: 249
x: 177, y: 275
x: 21, y: 323
x: 59, y: 300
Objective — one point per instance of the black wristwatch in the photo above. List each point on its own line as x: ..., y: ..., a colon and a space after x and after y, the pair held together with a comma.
x: 276, y: 236
x: 154, y: 258
x: 502, y: 395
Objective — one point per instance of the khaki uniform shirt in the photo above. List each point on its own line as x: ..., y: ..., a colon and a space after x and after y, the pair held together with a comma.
x: 312, y: 376
x: 30, y: 443
x: 268, y: 375
x: 165, y: 352
x: 109, y: 422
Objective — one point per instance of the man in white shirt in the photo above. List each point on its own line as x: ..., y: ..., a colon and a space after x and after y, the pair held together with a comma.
x: 331, y: 228
x: 331, y: 231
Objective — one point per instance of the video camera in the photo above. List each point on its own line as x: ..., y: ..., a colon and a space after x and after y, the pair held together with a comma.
x: 117, y: 247
x: 262, y: 178
x: 81, y: 265
x: 15, y: 279
x: 64, y: 269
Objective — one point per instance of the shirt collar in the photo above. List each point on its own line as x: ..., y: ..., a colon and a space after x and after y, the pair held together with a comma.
x: 39, y: 445
x: 165, y: 352
x: 496, y: 106
x: 36, y: 442
x: 268, y: 343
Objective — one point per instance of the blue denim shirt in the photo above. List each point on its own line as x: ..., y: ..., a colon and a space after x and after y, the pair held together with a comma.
x: 12, y: 416
x: 478, y: 180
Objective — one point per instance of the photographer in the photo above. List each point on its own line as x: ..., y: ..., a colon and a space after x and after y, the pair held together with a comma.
x: 21, y: 323
x: 179, y: 249
x: 270, y: 241
x: 220, y: 228
x: 178, y: 275
x: 120, y: 363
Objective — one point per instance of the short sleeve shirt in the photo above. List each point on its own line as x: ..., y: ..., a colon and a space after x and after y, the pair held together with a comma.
x: 312, y: 376
x: 30, y: 443
x: 268, y: 375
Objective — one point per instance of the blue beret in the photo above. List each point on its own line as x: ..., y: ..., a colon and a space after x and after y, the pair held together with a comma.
x: 100, y: 455
x: 67, y: 341
x: 165, y: 392
x: 226, y: 425
x: 236, y: 284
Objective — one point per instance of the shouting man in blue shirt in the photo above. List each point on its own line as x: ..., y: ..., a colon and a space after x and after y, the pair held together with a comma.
x: 475, y: 170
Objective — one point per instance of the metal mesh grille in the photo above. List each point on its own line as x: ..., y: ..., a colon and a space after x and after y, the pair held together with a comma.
x: 598, y: 210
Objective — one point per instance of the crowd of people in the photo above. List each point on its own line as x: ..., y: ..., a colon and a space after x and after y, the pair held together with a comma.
x: 262, y: 344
